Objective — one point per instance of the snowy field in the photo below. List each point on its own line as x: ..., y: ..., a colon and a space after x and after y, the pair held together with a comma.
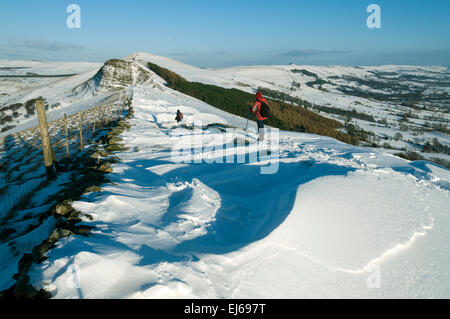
x: 335, y: 221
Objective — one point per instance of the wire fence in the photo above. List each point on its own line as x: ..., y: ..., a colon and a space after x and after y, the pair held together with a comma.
x: 22, y: 169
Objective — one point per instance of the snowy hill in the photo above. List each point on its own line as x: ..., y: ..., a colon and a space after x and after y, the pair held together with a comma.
x: 20, y: 78
x: 396, y: 108
x: 67, y: 94
x: 22, y: 82
x: 331, y: 220
x: 319, y: 227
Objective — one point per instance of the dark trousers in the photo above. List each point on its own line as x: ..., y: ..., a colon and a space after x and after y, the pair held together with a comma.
x: 260, y: 130
x: 260, y: 123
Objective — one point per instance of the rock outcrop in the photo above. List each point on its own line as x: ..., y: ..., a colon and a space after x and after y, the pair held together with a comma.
x: 116, y: 74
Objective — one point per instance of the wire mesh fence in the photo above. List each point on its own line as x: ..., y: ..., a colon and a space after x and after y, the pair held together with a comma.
x: 22, y: 169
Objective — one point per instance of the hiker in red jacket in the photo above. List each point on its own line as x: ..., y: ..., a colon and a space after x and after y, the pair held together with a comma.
x: 261, y: 109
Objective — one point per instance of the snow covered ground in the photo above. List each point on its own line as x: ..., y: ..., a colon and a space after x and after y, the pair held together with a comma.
x: 12, y: 88
x: 333, y: 221
x: 23, y: 81
x: 320, y: 85
x: 387, y: 112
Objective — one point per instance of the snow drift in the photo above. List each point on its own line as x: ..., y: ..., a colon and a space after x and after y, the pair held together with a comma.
x: 334, y: 221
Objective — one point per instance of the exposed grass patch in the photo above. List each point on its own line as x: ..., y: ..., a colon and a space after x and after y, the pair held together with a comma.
x: 351, y: 113
x: 435, y: 147
x: 413, y: 156
x: 410, y: 156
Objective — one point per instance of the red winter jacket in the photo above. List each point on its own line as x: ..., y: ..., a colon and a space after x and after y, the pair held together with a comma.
x: 257, y: 106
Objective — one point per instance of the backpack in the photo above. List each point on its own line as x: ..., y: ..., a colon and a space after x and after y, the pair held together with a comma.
x: 264, y: 110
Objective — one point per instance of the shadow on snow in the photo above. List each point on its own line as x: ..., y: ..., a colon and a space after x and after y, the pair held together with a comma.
x: 251, y: 207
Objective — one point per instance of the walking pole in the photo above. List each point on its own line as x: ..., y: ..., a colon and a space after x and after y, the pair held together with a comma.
x: 248, y: 118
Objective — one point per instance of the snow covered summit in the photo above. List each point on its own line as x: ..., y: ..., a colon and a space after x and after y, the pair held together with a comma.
x: 117, y: 74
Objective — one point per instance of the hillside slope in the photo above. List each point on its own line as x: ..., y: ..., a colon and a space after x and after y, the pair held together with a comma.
x: 393, y: 108
x: 67, y: 94
x: 333, y: 220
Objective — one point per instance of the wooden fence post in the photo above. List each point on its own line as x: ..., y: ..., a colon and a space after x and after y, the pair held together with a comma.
x: 81, y: 130
x: 46, y: 147
x: 93, y: 125
x: 103, y: 117
x: 108, y: 115
x: 93, y: 129
x: 66, y: 129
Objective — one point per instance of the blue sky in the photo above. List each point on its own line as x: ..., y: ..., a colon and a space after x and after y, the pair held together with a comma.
x: 218, y: 33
